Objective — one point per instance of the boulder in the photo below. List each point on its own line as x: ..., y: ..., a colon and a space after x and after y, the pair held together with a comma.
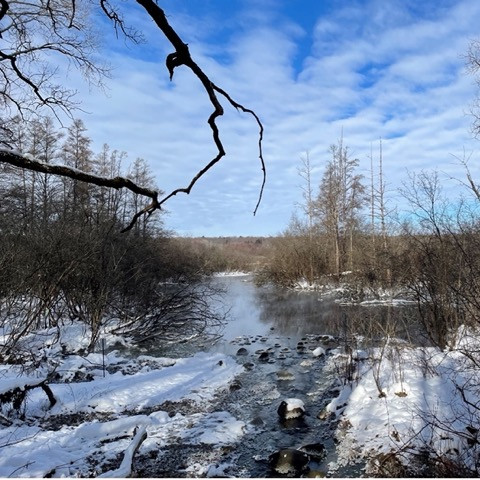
x: 285, y: 375
x: 291, y: 408
x: 242, y: 351
x: 289, y: 461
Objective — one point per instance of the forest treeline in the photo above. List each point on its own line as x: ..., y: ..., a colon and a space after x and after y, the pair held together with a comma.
x: 63, y: 256
x: 351, y: 233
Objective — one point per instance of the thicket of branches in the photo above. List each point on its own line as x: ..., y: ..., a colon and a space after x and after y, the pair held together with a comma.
x: 42, y: 39
x: 64, y: 206
x: 348, y: 233
x: 63, y: 257
x: 336, y: 234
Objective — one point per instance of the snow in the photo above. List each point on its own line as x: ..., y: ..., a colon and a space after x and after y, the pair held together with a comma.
x: 408, y: 396
x: 8, y: 384
x: 218, y: 428
x: 125, y: 468
x: 195, y: 378
x: 116, y: 404
x: 233, y: 273
x: 294, y: 403
x: 399, y: 396
x: 341, y: 293
x: 318, y: 352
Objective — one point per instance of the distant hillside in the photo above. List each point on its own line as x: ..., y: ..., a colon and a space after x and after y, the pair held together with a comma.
x: 231, y: 253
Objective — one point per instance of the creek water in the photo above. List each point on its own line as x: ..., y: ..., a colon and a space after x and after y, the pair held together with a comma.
x: 273, y: 334
x: 289, y: 314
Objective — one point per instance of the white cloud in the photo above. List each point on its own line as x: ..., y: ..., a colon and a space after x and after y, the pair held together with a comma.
x: 375, y: 71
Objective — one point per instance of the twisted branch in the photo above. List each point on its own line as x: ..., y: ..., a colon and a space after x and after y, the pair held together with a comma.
x: 182, y: 56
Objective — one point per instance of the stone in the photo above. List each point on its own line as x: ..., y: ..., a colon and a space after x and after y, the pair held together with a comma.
x: 285, y: 375
x: 325, y: 414
x: 316, y: 451
x: 291, y: 408
x: 318, y: 352
x: 242, y: 351
x: 288, y: 461
x: 263, y: 357
x: 235, y: 385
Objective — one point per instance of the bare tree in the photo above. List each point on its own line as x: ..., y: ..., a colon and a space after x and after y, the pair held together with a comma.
x: 379, y: 215
x: 340, y: 198
x: 473, y: 66
x: 308, y: 207
x: 34, y: 29
x: 33, y: 32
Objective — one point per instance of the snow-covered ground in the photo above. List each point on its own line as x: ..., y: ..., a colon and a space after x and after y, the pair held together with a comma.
x: 96, y: 423
x: 406, y: 405
x: 401, y: 405
x: 343, y: 294
x: 233, y: 273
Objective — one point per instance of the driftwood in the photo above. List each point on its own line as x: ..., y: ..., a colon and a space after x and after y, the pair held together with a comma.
x: 16, y: 395
x: 125, y: 468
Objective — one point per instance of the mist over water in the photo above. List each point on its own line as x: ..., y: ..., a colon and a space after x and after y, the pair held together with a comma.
x: 271, y: 311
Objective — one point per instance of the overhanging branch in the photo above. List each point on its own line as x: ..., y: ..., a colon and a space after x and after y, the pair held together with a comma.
x: 17, y: 159
x: 182, y: 56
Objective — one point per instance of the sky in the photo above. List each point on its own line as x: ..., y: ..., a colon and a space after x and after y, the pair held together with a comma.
x: 312, y: 70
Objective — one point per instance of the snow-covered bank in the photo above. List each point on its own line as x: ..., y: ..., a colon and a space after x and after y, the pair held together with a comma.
x: 233, y: 273
x: 349, y: 294
x: 96, y: 423
x: 409, y: 410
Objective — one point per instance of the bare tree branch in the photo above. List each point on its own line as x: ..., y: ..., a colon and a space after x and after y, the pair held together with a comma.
x: 38, y: 84
x: 18, y: 160
x: 3, y: 9
x: 181, y: 56
x: 118, y: 22
x: 260, y: 138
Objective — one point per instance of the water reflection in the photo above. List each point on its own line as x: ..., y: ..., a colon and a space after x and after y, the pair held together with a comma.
x: 263, y: 310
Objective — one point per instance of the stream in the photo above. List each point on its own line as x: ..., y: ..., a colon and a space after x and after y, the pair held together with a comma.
x: 273, y: 334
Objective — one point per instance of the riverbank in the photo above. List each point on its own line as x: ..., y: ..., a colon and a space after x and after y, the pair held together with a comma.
x: 389, y: 409
x: 410, y: 411
x: 100, y: 409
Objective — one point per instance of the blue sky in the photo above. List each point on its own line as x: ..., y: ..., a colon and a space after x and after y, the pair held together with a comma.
x: 310, y: 68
